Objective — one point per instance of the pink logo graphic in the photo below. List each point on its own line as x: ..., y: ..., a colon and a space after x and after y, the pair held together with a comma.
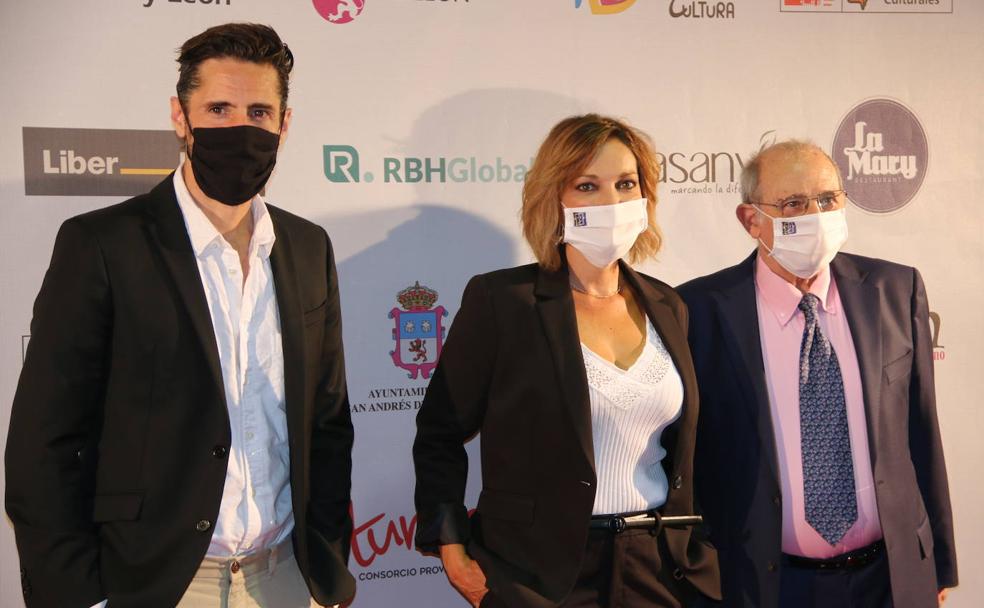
x: 418, y: 331
x: 882, y: 151
x: 339, y: 11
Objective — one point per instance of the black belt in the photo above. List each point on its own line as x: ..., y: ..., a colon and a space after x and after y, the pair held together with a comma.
x: 648, y: 520
x: 851, y: 560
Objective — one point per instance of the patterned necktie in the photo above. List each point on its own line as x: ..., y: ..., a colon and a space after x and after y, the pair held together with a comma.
x: 828, y: 469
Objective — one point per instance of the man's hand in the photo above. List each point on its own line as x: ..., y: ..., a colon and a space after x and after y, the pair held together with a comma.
x: 941, y: 596
x: 464, y: 573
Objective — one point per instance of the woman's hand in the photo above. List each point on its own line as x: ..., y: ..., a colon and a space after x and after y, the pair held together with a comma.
x: 464, y: 573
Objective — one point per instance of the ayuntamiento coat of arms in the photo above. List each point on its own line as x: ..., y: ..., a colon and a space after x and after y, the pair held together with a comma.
x: 418, y: 330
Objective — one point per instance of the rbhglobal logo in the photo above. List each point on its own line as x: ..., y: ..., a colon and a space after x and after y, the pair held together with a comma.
x: 344, y: 165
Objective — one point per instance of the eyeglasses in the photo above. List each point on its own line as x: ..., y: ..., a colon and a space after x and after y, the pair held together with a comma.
x: 795, y: 206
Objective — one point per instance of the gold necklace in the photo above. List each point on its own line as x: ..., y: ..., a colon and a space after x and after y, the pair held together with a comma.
x: 578, y: 288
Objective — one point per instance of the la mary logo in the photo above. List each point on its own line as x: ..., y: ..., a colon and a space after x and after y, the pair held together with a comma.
x: 418, y: 331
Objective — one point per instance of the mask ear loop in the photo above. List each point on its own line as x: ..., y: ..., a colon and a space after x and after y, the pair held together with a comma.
x: 559, y: 232
x: 754, y: 206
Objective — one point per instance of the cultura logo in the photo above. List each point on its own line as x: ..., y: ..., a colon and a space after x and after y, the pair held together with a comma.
x: 702, y: 9
x: 882, y: 152
x: 606, y: 7
x: 342, y: 165
x: 339, y: 11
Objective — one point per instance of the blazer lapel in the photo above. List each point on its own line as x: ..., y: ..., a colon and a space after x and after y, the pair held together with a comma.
x: 739, y: 315
x: 555, y: 305
x: 282, y: 264
x: 168, y: 231
x: 862, y: 305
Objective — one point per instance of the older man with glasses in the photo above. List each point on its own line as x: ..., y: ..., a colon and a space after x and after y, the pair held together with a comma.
x: 819, y: 462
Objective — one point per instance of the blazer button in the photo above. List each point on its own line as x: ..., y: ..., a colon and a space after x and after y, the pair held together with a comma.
x: 677, y: 482
x: 677, y: 573
x: 771, y: 566
x: 220, y: 451
x: 203, y: 525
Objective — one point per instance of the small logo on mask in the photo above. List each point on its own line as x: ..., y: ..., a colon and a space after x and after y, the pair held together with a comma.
x: 580, y: 219
x: 789, y: 228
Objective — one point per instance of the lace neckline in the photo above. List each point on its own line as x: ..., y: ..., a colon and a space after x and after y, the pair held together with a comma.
x: 626, y: 388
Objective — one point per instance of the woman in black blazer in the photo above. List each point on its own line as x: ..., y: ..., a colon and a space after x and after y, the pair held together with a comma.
x: 576, y: 372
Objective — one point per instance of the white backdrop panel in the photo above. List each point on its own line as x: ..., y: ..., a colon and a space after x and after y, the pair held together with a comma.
x: 484, y: 80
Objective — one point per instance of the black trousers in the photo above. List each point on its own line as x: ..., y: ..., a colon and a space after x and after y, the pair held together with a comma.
x: 632, y: 569
x: 866, y: 587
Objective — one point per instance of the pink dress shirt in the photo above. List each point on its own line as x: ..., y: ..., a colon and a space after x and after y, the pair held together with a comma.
x: 781, y: 326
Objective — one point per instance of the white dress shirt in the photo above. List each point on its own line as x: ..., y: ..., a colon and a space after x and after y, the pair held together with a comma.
x: 255, y: 512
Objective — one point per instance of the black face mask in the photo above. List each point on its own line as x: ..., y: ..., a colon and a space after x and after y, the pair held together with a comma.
x: 232, y: 164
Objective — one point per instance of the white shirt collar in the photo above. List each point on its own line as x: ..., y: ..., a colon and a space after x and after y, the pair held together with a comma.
x: 203, y: 233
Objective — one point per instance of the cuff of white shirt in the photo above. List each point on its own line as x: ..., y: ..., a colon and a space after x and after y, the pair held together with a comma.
x: 101, y: 604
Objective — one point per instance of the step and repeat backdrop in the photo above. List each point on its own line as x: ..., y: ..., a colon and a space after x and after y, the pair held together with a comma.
x: 414, y: 125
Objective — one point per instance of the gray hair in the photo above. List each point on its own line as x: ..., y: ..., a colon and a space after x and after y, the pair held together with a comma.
x: 750, y: 172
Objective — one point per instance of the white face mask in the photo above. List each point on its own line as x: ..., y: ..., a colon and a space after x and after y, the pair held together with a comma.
x: 605, y: 233
x: 804, y: 245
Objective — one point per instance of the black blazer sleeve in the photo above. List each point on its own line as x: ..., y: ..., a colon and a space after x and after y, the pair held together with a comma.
x: 925, y: 444
x: 332, y: 436
x: 55, y: 423
x: 451, y: 413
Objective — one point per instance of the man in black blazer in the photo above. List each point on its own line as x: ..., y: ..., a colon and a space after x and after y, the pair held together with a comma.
x: 182, y: 409
x: 816, y: 369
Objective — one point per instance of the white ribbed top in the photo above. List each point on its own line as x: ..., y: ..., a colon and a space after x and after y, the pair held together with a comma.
x: 629, y: 410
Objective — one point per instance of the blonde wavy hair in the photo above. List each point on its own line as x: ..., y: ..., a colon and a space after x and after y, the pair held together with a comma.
x: 568, y: 149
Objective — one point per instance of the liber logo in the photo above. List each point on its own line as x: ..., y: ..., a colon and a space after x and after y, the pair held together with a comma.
x: 339, y: 11
x: 606, y: 7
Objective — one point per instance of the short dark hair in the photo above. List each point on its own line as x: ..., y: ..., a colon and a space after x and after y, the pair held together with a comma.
x: 245, y: 41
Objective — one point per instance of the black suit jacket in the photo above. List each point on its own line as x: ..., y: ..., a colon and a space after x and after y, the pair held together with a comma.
x: 512, y: 369
x: 118, y: 443
x: 736, y: 463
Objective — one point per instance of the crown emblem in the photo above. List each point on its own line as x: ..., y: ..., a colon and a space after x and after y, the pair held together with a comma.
x: 417, y: 297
